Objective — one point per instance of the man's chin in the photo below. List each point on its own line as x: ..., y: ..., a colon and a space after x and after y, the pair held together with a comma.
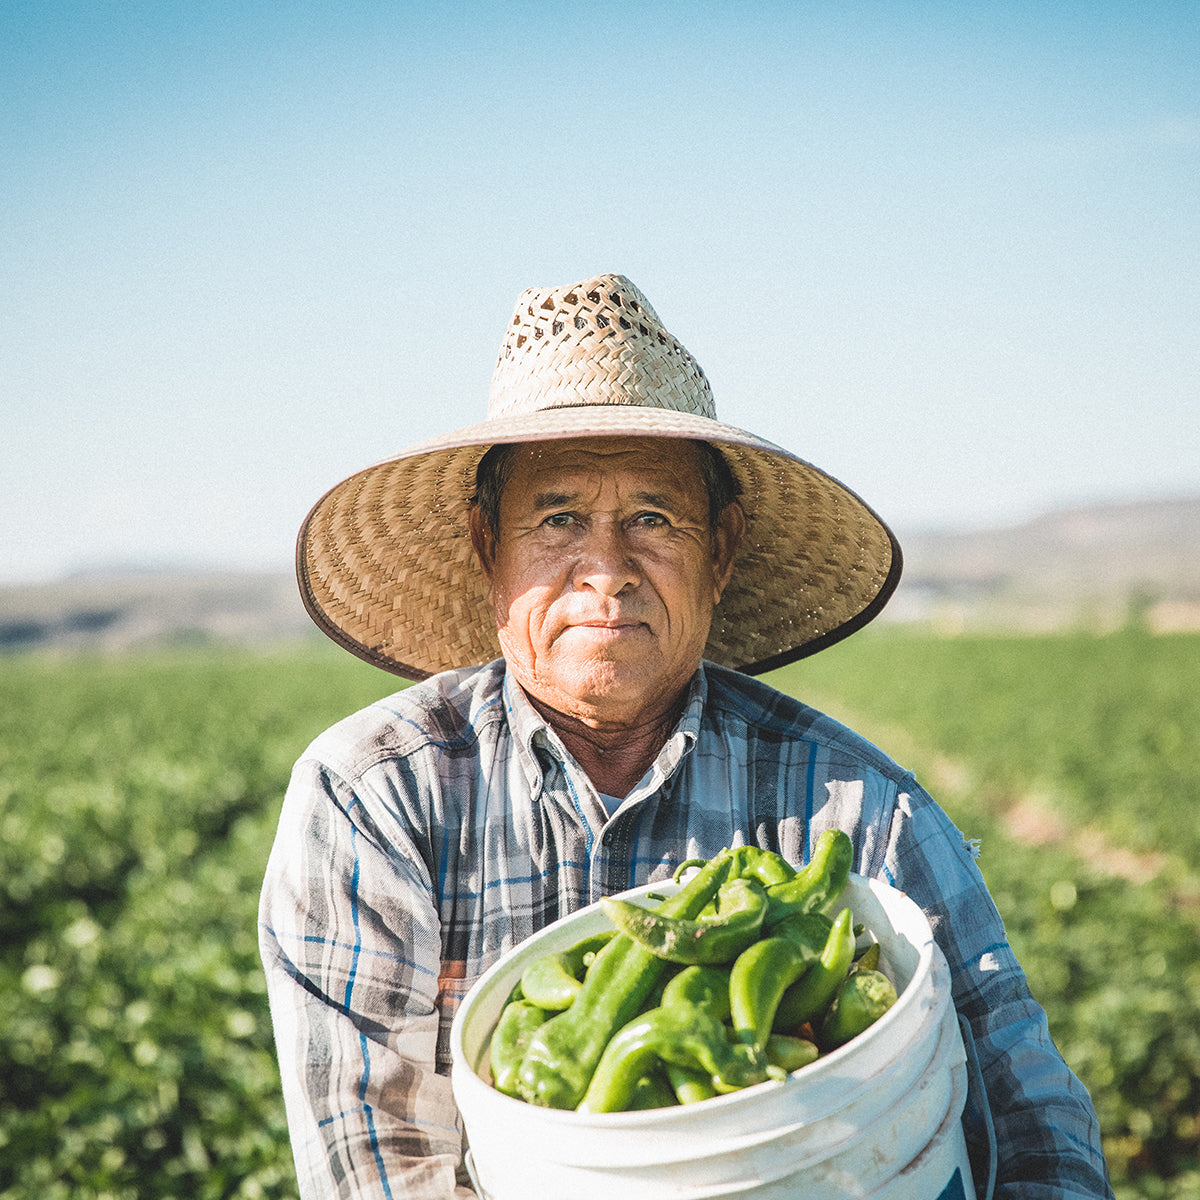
x: 613, y: 692
x: 605, y: 680
x: 591, y: 681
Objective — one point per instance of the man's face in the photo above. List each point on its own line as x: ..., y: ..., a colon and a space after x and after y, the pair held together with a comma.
x: 605, y: 572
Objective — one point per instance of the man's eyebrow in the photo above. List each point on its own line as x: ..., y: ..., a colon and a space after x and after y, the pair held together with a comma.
x: 657, y: 499
x: 553, y: 499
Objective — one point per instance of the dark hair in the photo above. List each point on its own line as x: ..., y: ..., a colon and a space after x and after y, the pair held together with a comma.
x: 491, y: 475
x: 495, y: 470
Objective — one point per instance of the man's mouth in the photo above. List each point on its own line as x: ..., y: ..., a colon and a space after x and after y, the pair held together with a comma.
x: 611, y: 627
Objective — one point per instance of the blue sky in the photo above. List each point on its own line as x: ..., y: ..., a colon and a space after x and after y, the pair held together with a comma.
x: 948, y: 252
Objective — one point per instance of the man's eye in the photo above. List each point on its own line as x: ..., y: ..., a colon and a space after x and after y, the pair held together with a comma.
x: 558, y: 520
x: 651, y: 519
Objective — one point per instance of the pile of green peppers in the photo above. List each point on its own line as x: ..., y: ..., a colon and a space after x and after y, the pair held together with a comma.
x: 742, y: 976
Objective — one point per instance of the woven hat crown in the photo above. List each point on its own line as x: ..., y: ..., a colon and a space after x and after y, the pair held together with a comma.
x: 598, y: 342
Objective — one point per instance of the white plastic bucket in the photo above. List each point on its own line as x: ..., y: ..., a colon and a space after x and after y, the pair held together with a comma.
x: 878, y: 1118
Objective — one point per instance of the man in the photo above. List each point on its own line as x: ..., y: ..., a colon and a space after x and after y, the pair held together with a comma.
x: 620, y: 563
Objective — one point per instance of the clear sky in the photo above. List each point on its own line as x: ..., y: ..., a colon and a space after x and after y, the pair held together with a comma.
x: 950, y: 252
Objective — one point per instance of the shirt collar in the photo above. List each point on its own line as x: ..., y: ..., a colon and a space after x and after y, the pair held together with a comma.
x: 528, y: 731
x: 531, y: 733
x: 679, y: 744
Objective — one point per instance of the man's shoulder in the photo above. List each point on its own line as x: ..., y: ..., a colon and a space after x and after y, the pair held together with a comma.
x: 763, y: 711
x: 446, y: 712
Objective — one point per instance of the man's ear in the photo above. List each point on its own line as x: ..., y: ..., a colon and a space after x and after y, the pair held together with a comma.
x: 482, y: 541
x: 727, y: 538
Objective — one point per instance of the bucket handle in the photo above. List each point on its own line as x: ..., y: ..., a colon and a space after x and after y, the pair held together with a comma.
x: 470, y: 1165
x: 977, y: 1122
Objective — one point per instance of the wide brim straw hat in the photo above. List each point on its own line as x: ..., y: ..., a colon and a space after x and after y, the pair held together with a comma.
x: 384, y: 559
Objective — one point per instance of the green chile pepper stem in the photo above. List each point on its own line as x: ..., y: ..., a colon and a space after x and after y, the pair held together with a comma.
x: 741, y: 906
x: 808, y: 997
x: 868, y: 960
x: 563, y: 1053
x: 683, y: 1035
x: 685, y: 866
x: 817, y: 887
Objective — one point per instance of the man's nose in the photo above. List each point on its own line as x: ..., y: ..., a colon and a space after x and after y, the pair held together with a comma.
x: 606, y: 563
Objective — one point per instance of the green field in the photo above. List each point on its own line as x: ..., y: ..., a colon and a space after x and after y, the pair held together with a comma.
x: 138, y: 799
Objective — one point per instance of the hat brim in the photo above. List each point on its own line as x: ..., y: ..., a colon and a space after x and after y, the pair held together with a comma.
x: 386, y: 567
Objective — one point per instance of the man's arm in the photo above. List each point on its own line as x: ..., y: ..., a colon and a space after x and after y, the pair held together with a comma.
x: 351, y: 946
x: 1048, y: 1139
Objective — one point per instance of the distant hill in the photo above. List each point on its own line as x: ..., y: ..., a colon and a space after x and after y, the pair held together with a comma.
x: 116, y: 612
x: 1097, y: 566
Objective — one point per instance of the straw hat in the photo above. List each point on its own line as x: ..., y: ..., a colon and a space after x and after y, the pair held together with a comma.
x: 384, y: 559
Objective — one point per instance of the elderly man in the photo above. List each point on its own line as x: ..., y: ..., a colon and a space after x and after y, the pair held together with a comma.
x: 586, y: 582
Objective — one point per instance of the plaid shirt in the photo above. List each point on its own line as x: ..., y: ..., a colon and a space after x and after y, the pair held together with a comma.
x: 423, y: 837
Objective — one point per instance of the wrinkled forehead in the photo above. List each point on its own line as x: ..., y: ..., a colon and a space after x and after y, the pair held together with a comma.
x: 611, y: 472
x: 631, y: 462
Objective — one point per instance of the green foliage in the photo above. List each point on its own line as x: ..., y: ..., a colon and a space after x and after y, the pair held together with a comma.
x: 138, y: 800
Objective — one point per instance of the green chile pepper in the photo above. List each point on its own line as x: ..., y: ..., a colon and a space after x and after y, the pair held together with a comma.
x: 702, y: 987
x: 741, y: 906
x: 765, y: 866
x: 808, y: 996
x: 553, y: 981
x: 790, y: 1053
x: 859, y: 1002
x: 563, y: 1052
x: 764, y: 971
x: 689, y: 1084
x: 510, y: 1040
x: 748, y: 862
x: 760, y: 976
x: 817, y: 887
x: 684, y: 1035
x: 653, y: 1091
x: 809, y: 931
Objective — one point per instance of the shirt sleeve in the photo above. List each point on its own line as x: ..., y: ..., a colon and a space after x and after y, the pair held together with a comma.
x: 1047, y: 1135
x: 350, y: 943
